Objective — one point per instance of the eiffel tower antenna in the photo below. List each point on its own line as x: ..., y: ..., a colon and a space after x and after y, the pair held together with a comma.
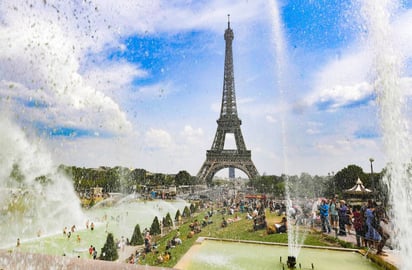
x: 217, y: 157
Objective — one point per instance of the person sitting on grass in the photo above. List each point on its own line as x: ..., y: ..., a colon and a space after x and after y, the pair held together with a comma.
x: 224, y: 223
x: 259, y: 223
x: 169, y: 245
x: 159, y: 257
x: 166, y: 256
x: 236, y: 218
x: 176, y: 241
x: 190, y: 234
x: 248, y: 216
x: 282, y: 226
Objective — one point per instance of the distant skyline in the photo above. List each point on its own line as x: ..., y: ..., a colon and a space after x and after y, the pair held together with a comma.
x: 139, y: 83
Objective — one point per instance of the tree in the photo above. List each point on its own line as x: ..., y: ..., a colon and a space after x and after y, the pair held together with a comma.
x: 346, y: 178
x: 186, y: 212
x: 177, y: 215
x: 155, y: 228
x: 137, y: 238
x: 109, y: 250
x: 193, y: 208
x: 182, y: 178
x: 138, y: 176
x: 159, y: 179
x: 92, y: 202
x: 168, y: 221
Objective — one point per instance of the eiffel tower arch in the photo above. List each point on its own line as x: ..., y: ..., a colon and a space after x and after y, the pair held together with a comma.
x: 217, y: 157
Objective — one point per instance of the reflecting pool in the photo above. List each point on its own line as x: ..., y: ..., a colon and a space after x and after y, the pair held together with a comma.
x: 222, y: 255
x: 118, y: 219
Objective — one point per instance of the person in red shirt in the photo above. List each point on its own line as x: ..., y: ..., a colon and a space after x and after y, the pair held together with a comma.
x: 358, y: 224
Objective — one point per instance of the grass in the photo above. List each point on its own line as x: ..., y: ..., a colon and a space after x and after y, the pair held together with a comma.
x: 239, y: 230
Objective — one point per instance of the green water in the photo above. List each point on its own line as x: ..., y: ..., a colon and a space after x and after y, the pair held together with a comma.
x: 231, y: 255
x: 119, y: 220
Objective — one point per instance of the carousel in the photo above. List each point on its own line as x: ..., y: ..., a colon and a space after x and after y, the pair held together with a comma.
x: 358, y: 193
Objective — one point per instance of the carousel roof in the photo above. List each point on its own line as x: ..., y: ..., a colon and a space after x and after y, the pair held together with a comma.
x: 358, y: 188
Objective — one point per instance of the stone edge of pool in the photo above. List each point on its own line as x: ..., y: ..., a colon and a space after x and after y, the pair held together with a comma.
x: 185, y: 259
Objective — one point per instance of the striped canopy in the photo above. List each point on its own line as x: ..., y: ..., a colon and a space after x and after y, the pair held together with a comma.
x: 358, y: 189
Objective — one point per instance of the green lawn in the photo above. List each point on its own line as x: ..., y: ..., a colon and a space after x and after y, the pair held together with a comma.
x: 239, y: 230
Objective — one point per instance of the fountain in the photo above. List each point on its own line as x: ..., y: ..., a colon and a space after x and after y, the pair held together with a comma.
x: 392, y: 101
x: 35, y: 198
x: 291, y: 262
x: 295, y: 235
x: 217, y: 254
x: 391, y: 91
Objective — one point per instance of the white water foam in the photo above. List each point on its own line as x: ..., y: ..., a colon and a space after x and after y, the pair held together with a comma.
x: 32, y: 206
x: 392, y: 104
x: 295, y: 237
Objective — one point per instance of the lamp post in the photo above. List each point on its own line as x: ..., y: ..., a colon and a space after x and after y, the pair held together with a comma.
x: 372, y: 182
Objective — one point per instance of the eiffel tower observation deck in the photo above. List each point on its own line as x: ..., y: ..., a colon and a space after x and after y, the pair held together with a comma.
x: 217, y: 157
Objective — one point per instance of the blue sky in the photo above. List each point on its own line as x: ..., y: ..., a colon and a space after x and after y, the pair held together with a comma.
x: 139, y: 83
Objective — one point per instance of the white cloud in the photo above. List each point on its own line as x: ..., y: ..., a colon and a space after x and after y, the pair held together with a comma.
x: 191, y: 138
x: 41, y: 58
x: 342, y: 81
x: 341, y: 95
x: 45, y: 58
x: 348, y: 78
x: 125, y: 17
x: 190, y: 132
x: 158, y: 138
x: 113, y: 76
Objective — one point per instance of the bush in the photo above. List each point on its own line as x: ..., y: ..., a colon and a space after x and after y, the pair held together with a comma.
x: 192, y: 208
x: 177, y: 215
x: 92, y: 202
x: 186, y: 212
x: 168, y: 222
x: 109, y: 250
x: 137, y: 238
x: 155, y: 228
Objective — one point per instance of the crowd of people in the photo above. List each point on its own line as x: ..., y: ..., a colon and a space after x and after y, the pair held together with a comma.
x: 139, y: 256
x: 368, y: 222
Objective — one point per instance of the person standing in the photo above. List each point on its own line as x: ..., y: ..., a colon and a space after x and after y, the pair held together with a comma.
x: 349, y: 217
x: 381, y: 226
x: 358, y: 224
x: 343, y: 214
x: 324, y: 216
x: 334, y: 216
x: 371, y: 235
x: 94, y: 253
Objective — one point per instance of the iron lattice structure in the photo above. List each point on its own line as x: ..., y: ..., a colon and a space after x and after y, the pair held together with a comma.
x: 217, y: 157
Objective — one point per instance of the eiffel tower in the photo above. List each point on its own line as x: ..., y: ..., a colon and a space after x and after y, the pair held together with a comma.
x: 219, y: 158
